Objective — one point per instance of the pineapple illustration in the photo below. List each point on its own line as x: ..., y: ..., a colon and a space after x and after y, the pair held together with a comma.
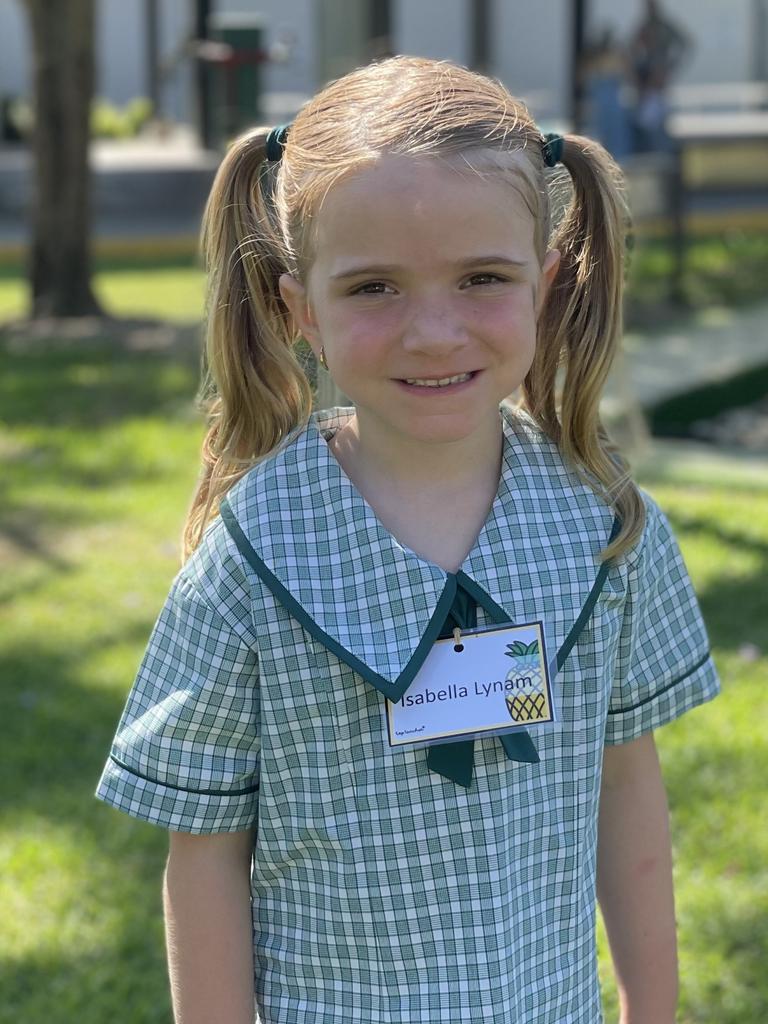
x: 527, y: 702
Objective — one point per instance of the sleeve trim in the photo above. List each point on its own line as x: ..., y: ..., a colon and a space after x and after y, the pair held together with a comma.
x: 182, y: 789
x: 657, y: 693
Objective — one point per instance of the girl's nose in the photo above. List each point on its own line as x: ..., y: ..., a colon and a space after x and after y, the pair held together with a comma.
x: 434, y: 327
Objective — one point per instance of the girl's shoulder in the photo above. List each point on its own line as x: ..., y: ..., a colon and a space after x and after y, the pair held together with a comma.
x: 218, y: 571
x: 299, y: 474
x: 534, y: 452
x: 563, y: 483
x: 218, y: 575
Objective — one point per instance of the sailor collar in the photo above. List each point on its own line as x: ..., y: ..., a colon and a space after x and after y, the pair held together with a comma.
x: 317, y: 545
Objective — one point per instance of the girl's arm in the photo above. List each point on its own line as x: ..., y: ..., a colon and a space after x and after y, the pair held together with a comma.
x: 206, y: 894
x: 634, y: 882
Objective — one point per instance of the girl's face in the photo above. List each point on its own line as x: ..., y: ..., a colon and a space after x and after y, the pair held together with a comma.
x: 423, y: 274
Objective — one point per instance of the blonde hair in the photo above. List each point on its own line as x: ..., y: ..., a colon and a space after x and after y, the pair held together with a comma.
x: 258, y: 224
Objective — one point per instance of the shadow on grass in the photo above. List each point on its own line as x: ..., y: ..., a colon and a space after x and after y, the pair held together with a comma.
x: 21, y: 530
x: 12, y: 589
x: 93, y: 385
x: 128, y: 983
x: 725, y: 600
x: 57, y: 732
x: 725, y: 768
x: 61, y: 410
x: 58, y: 728
x: 125, y: 981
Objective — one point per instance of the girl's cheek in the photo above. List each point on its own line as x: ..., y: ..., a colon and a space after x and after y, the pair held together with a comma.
x: 374, y: 322
x: 515, y: 316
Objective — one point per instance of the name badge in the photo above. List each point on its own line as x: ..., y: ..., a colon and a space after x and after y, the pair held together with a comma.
x: 491, y: 681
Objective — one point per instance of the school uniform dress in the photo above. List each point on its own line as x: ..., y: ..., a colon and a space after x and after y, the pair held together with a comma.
x: 405, y: 884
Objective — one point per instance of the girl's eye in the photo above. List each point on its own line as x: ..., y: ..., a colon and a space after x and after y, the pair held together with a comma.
x: 371, y: 288
x: 486, y: 279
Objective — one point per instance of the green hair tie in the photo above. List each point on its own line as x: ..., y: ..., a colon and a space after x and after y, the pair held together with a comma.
x: 552, y: 148
x: 273, y: 148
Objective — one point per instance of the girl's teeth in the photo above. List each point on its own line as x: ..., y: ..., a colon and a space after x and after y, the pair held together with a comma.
x: 441, y: 383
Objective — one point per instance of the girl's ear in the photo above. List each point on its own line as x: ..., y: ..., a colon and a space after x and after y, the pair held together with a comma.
x: 295, y: 296
x: 547, y: 275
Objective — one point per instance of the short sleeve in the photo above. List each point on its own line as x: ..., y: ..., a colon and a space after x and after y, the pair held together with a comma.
x: 664, y: 666
x: 186, y: 752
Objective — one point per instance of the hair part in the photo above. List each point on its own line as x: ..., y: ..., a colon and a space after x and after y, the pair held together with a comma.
x: 260, y: 221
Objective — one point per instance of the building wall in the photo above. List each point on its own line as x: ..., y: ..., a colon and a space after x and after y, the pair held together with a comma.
x: 14, y: 50
x: 432, y: 29
x: 532, y: 46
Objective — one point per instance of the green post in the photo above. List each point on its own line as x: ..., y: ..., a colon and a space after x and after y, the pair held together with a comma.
x: 237, y: 82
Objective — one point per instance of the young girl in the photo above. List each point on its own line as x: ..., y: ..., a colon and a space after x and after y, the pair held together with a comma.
x: 398, y: 710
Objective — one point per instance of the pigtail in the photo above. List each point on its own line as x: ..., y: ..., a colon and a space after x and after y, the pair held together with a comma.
x: 255, y: 392
x: 580, y: 329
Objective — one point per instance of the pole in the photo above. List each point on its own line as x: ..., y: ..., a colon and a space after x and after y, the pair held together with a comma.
x: 202, y: 11
x: 759, y: 41
x: 379, y: 29
x: 578, y: 40
x: 152, y: 33
x: 479, y: 34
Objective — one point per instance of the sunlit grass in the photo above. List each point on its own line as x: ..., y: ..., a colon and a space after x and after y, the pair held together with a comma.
x: 715, y: 760
x: 723, y: 270
x: 152, y: 289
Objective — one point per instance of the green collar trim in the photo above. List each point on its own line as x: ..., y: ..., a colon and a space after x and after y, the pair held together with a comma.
x: 589, y: 605
x: 497, y: 613
x: 395, y: 690
x: 392, y: 690
x: 454, y: 761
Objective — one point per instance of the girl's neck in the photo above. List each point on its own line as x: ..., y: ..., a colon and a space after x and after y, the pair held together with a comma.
x: 410, y: 469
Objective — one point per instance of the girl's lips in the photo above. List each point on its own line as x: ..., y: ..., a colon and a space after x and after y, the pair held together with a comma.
x: 448, y: 389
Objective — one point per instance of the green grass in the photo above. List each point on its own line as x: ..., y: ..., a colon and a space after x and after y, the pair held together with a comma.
x: 100, y: 452
x: 171, y: 288
x: 715, y: 760
x: 724, y: 270
x: 99, y: 457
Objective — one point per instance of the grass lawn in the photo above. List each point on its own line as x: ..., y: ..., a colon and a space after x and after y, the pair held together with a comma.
x: 723, y: 270
x: 99, y: 451
x: 171, y: 288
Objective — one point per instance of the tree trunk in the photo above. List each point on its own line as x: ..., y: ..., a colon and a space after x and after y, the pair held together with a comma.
x: 63, y: 53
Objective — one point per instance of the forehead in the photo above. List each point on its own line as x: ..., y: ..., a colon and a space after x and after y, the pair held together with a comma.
x: 405, y: 208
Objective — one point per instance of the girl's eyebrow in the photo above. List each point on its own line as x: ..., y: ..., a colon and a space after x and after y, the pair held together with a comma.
x: 472, y: 261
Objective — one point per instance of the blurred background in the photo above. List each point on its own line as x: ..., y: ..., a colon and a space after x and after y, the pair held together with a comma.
x: 113, y: 118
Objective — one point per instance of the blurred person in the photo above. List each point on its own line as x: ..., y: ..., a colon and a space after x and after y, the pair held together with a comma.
x: 605, y: 76
x: 656, y: 51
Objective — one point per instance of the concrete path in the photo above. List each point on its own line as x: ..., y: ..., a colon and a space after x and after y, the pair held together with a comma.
x: 710, y: 346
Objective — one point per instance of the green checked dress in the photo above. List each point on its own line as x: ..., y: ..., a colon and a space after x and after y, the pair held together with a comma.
x: 400, y: 885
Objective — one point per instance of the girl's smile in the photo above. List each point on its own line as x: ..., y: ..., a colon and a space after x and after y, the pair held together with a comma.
x: 442, y: 385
